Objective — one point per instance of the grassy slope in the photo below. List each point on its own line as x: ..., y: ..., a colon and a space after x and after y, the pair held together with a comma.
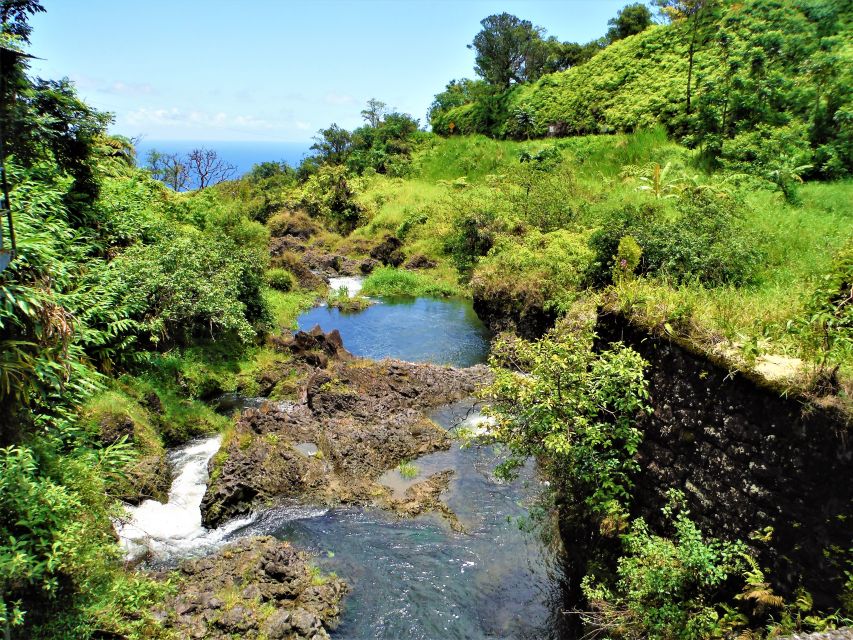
x: 799, y: 241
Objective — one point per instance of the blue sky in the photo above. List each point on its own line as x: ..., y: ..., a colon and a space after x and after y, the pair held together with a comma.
x: 273, y: 70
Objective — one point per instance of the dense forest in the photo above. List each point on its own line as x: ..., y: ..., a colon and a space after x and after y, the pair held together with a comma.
x: 688, y: 172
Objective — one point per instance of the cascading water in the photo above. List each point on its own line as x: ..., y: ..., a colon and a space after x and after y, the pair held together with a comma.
x: 159, y: 531
x: 414, y: 578
x: 351, y: 283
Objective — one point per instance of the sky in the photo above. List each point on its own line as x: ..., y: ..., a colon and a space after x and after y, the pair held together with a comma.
x: 267, y: 70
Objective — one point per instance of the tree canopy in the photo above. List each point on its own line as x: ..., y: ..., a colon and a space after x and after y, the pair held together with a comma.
x: 508, y: 50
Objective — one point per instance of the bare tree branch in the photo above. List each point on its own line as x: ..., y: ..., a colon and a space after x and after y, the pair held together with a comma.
x: 207, y: 168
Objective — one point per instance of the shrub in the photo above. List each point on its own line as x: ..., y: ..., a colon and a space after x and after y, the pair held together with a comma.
x: 627, y: 258
x: 191, y: 286
x: 536, y: 270
x: 667, y: 588
x: 291, y: 223
x: 576, y: 409
x: 705, y: 241
x: 471, y: 239
x: 280, y: 279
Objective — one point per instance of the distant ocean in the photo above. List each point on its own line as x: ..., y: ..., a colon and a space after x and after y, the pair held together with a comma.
x: 242, y: 155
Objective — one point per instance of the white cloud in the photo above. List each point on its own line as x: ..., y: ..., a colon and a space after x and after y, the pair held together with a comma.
x: 197, y: 119
x: 338, y: 99
x: 133, y: 88
x: 113, y: 87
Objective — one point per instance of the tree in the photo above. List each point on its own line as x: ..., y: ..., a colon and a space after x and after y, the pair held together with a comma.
x: 565, y: 55
x: 14, y: 15
x: 374, y: 112
x: 168, y: 168
x: 266, y: 170
x: 205, y: 167
x: 333, y: 145
x: 456, y: 94
x: 694, y: 12
x: 509, y: 50
x: 630, y: 20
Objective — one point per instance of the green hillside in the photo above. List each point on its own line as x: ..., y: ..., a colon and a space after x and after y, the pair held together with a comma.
x: 767, y: 77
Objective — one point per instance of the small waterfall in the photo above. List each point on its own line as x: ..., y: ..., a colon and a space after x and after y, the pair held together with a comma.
x: 161, y: 531
x: 477, y: 424
x: 351, y: 283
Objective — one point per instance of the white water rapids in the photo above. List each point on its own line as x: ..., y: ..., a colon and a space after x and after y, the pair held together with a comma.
x: 159, y: 530
x: 351, y: 283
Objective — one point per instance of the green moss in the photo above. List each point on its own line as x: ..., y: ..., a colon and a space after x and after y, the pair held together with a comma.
x: 407, y: 469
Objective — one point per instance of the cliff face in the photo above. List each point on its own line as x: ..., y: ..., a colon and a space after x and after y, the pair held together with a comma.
x: 746, y: 458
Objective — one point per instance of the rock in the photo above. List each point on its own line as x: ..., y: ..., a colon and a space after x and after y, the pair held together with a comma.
x: 151, y: 401
x: 295, y: 224
x: 283, y: 258
x: 304, y: 623
x: 420, y: 261
x: 314, y: 347
x: 252, y: 592
x: 268, y: 568
x: 278, y: 625
x: 389, y: 251
x: 237, y: 619
x: 367, y: 266
x: 365, y: 417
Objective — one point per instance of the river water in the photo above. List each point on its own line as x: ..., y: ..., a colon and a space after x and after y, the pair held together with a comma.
x: 416, y: 578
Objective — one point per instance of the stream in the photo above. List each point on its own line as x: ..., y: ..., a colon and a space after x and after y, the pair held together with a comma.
x: 411, y: 578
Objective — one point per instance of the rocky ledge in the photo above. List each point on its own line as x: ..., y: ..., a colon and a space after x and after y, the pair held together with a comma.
x: 256, y: 588
x: 354, y: 420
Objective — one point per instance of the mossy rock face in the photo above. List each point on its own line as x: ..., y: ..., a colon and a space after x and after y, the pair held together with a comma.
x: 113, y: 427
x: 149, y: 478
x: 292, y: 224
x: 389, y: 252
x: 420, y: 261
x: 115, y: 416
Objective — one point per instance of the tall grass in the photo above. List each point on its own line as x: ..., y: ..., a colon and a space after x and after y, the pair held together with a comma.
x: 387, y: 281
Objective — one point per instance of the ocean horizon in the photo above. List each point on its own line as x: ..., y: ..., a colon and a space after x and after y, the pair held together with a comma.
x: 242, y: 154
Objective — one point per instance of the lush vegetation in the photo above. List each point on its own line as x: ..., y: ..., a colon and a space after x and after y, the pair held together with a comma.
x: 559, y: 400
x: 709, y: 200
x: 760, y: 86
x: 125, y: 304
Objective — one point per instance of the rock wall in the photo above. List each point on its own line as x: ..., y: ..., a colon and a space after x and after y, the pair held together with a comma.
x: 747, y: 459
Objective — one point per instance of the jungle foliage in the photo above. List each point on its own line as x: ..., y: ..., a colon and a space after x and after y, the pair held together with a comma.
x: 129, y: 293
x: 753, y: 85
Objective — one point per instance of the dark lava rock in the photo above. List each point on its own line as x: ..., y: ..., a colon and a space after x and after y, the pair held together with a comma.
x: 420, y: 261
x: 269, y: 571
x: 279, y: 246
x: 367, y: 266
x: 283, y: 258
x: 363, y: 417
x: 313, y: 347
x: 389, y: 252
x: 292, y: 224
x: 329, y: 264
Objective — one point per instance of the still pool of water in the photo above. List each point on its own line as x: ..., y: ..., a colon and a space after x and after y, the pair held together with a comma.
x: 413, y: 329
